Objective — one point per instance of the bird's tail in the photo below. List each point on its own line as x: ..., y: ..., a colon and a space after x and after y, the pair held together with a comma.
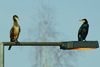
x: 9, y: 47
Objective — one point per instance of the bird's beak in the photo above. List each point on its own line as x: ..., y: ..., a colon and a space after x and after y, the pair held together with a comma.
x: 81, y: 21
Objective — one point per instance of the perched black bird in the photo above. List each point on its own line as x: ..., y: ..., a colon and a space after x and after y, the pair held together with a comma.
x: 15, y: 31
x: 83, y: 30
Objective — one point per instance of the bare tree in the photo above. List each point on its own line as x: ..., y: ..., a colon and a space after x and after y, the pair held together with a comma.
x: 46, y: 32
x: 50, y: 56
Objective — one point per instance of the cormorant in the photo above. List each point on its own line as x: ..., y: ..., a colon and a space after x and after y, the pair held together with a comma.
x: 83, y: 30
x: 15, y: 31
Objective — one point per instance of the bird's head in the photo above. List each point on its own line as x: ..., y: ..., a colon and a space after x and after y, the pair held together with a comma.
x: 83, y: 21
x: 15, y: 18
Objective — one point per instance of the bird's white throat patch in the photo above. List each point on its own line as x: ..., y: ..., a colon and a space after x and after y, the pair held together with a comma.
x: 82, y: 21
x: 16, y: 19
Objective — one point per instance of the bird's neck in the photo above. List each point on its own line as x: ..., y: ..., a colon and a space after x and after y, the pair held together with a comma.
x: 15, y: 23
x: 85, y: 22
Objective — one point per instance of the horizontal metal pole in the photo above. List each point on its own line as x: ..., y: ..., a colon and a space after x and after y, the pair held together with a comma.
x: 33, y: 43
x: 63, y: 45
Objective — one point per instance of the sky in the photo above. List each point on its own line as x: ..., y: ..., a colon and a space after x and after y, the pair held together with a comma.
x: 66, y: 13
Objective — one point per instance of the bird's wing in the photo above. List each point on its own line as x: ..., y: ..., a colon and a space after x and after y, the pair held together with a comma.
x: 11, y: 32
x: 83, y: 28
x: 18, y: 32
